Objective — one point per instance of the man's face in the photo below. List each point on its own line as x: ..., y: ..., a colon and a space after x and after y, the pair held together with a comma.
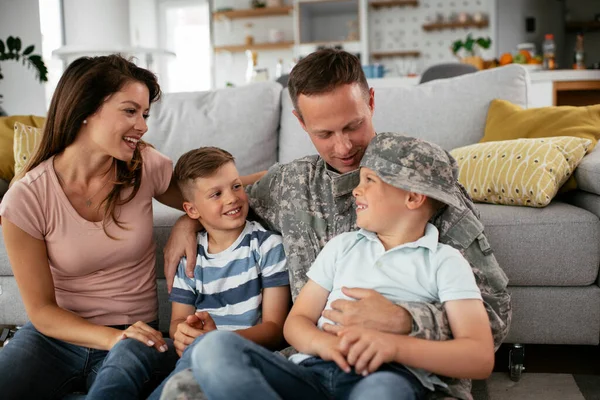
x: 339, y: 124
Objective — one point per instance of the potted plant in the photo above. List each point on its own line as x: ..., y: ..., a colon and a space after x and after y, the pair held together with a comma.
x: 12, y: 50
x: 470, y: 47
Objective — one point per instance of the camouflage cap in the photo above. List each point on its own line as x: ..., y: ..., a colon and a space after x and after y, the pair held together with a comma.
x: 414, y: 165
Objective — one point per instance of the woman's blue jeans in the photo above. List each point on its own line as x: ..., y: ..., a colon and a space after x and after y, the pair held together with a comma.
x: 35, y: 366
x: 230, y: 367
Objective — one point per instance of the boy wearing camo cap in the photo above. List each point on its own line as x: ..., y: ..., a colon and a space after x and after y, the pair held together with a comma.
x: 403, y: 183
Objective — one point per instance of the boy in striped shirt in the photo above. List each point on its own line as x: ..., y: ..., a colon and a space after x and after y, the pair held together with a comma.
x: 241, y: 280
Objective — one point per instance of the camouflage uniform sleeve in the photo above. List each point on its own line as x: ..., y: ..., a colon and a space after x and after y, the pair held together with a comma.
x: 264, y: 197
x: 429, y: 320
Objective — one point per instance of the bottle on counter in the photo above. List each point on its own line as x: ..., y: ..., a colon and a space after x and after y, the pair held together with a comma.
x: 549, y: 52
x: 279, y: 68
x: 579, y: 54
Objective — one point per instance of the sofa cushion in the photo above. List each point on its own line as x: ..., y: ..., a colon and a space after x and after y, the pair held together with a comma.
x: 294, y: 142
x: 507, y: 121
x: 552, y: 246
x: 7, y: 126
x: 164, y: 218
x: 243, y: 121
x: 588, y: 172
x: 26, y: 140
x: 449, y: 112
x: 525, y: 172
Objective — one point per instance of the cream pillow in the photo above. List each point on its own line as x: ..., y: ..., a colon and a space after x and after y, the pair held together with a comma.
x: 526, y: 172
x: 26, y: 140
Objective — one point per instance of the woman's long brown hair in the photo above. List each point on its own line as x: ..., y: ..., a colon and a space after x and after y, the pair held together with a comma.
x: 82, y: 89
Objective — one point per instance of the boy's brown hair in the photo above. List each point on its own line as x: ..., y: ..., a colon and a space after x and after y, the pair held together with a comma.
x: 199, y: 163
x: 323, y: 71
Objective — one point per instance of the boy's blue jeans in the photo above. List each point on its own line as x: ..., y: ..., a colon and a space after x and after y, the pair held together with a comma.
x: 230, y: 367
x: 35, y: 366
x: 183, y: 363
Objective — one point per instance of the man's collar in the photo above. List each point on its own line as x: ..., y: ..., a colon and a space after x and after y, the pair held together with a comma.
x: 342, y: 184
x: 429, y: 240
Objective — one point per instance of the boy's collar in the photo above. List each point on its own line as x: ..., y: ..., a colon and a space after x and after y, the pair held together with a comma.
x: 429, y: 240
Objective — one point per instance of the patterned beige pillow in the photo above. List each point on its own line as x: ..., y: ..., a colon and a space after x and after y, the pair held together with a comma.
x: 26, y: 140
x: 526, y: 172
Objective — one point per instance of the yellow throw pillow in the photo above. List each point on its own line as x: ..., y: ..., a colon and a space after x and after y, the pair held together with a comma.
x: 7, y: 129
x: 26, y: 140
x: 506, y: 121
x: 526, y: 172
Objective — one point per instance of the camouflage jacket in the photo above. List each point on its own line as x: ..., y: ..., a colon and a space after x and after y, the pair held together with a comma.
x: 309, y: 204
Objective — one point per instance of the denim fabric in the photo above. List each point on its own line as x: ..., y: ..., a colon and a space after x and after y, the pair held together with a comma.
x: 230, y: 367
x: 36, y: 366
x: 183, y: 363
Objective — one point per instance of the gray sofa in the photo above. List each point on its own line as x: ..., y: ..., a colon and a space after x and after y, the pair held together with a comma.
x: 550, y: 255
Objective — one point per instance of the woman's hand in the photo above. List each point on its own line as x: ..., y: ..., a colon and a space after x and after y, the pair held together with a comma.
x: 141, y: 332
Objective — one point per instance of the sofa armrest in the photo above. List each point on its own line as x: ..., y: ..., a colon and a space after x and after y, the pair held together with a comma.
x: 587, y: 173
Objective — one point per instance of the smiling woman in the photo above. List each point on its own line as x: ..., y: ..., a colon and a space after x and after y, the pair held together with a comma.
x: 84, y: 257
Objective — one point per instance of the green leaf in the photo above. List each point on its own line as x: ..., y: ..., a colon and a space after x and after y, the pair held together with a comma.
x: 456, y: 46
x: 484, y: 43
x: 2, y: 48
x: 28, y: 50
x: 17, y: 44
x: 469, y: 44
x: 10, y: 43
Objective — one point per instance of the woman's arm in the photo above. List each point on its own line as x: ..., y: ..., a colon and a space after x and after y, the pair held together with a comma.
x: 29, y: 260
x: 275, y: 307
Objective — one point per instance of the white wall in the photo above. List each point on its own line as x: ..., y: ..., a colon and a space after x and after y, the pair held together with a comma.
x: 23, y: 94
x: 511, y: 16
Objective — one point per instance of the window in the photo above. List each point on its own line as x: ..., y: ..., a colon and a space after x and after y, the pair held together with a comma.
x: 51, y: 26
x: 185, y: 29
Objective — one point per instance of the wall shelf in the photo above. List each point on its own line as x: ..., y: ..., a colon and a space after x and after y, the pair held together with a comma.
x: 393, y: 3
x: 436, y: 26
x: 384, y: 54
x: 583, y: 26
x: 257, y: 46
x: 253, y: 13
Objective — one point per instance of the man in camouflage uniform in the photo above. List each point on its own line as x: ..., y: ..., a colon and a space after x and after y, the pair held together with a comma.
x: 310, y: 201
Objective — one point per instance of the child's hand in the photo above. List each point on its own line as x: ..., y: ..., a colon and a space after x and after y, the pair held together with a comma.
x: 195, y: 325
x: 328, y: 348
x: 366, y: 349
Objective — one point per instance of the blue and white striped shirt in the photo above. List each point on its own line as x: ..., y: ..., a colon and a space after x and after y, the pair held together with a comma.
x: 228, y: 285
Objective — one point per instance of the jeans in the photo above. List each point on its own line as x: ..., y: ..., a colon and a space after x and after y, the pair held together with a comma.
x: 183, y: 363
x: 35, y: 366
x: 230, y: 367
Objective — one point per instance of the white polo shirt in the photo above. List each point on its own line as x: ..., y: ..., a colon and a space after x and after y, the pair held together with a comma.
x: 424, y: 270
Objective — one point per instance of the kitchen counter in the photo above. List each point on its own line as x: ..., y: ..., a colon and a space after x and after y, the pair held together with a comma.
x: 548, y: 88
x: 564, y: 75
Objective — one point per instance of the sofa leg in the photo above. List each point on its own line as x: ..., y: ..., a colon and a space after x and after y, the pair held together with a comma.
x: 516, y: 357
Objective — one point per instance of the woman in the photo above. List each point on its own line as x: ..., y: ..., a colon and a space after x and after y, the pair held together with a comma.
x: 78, y: 231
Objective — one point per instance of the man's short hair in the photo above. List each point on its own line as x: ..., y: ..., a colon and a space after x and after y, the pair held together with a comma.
x: 199, y: 163
x: 323, y: 71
